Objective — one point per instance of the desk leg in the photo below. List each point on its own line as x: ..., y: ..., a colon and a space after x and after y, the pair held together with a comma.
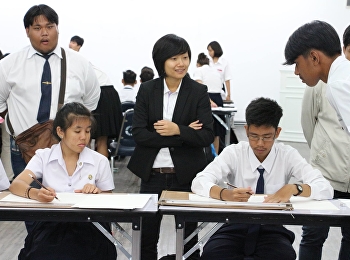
x: 228, y: 131
x: 180, y: 225
x: 136, y: 238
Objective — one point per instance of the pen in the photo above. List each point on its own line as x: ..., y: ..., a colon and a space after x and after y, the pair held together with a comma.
x: 41, y: 185
x: 233, y: 186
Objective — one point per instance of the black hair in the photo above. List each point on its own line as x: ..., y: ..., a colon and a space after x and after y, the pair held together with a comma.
x: 166, y: 47
x: 317, y: 35
x: 146, y: 74
x: 68, y: 114
x: 216, y: 48
x: 129, y: 77
x: 263, y: 112
x: 37, y: 10
x: 202, y: 59
x: 346, y: 37
x: 78, y: 40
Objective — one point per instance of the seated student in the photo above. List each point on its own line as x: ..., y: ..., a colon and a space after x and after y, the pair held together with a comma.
x: 128, y: 93
x: 258, y: 166
x: 146, y: 74
x: 68, y: 166
x: 76, y: 42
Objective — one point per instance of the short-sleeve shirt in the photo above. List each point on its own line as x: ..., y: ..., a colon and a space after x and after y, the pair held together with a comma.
x: 92, y: 167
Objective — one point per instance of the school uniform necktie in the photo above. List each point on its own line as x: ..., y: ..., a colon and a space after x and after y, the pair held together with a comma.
x: 261, y: 183
x: 253, y: 229
x: 46, y: 90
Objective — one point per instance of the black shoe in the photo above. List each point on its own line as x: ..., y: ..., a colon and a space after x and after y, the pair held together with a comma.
x: 168, y: 257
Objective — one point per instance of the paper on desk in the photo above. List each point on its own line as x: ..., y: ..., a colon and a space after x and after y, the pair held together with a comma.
x: 297, y: 202
x: 114, y: 201
x: 345, y: 201
x: 98, y: 201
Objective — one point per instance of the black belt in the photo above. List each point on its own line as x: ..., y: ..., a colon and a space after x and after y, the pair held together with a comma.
x: 164, y: 170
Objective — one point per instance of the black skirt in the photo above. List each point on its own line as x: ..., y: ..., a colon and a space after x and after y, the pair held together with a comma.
x: 219, y: 130
x: 108, y: 114
x: 69, y: 241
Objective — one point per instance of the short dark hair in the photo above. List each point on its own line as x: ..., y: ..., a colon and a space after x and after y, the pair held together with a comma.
x: 68, y: 114
x: 166, y: 47
x: 146, y: 74
x: 216, y: 48
x: 129, y: 77
x: 36, y: 10
x: 263, y: 112
x: 78, y: 40
x: 346, y: 37
x: 317, y: 35
x: 202, y: 59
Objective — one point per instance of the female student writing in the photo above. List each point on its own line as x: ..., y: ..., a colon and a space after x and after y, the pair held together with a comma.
x: 67, y: 167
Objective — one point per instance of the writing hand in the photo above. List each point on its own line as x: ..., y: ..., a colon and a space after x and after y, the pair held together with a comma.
x: 46, y: 194
x: 240, y: 194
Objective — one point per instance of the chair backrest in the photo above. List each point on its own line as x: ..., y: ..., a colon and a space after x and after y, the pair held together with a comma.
x: 126, y: 143
x: 127, y: 105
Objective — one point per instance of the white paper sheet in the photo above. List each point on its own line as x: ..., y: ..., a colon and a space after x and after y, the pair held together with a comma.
x: 101, y: 201
x: 297, y: 202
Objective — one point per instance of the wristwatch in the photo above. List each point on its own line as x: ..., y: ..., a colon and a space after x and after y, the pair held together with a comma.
x: 299, y: 188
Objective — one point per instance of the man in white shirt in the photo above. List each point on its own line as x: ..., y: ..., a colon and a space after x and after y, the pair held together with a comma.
x: 258, y: 166
x: 21, y: 73
x: 128, y: 92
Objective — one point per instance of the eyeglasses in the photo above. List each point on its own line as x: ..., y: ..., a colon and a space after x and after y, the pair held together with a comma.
x: 256, y: 138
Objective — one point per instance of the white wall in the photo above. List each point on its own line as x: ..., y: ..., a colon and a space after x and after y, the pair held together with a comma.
x: 252, y: 33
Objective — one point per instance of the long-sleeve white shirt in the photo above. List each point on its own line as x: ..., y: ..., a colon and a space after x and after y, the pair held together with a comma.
x: 238, y: 165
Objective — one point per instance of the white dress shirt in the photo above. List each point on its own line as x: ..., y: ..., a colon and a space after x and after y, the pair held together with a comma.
x: 209, y: 77
x: 127, y: 93
x: 338, y: 90
x: 238, y: 165
x: 4, y: 181
x: 92, y: 167
x: 163, y: 158
x: 222, y: 66
x: 20, y: 87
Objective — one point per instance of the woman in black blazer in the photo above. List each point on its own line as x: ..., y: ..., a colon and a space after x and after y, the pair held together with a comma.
x: 172, y: 123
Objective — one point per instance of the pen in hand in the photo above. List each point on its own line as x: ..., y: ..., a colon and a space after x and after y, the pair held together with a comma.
x: 40, y: 184
x: 235, y: 187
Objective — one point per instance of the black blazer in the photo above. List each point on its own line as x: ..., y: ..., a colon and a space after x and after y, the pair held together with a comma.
x: 186, y: 149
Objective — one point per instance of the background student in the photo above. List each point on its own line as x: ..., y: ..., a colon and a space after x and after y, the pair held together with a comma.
x: 128, y: 92
x: 258, y: 166
x: 22, y: 71
x: 67, y: 167
x: 172, y: 123
x: 329, y: 152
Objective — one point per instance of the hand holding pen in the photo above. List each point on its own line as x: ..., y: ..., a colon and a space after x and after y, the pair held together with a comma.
x: 250, y: 192
x: 40, y: 184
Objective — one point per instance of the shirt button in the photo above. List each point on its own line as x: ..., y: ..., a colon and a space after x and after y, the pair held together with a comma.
x: 80, y: 163
x: 69, y: 184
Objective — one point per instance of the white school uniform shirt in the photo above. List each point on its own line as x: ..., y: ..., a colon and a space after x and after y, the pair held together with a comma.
x: 163, y: 158
x: 223, y: 67
x: 238, y: 165
x: 92, y: 167
x: 209, y: 77
x: 127, y: 93
x: 338, y: 90
x: 4, y: 181
x: 20, y: 87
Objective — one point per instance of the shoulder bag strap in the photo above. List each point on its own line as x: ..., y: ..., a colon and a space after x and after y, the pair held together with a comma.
x: 62, y: 90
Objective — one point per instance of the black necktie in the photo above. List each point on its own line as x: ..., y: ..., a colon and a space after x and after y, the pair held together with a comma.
x: 260, y: 184
x: 46, y: 89
x: 253, y: 229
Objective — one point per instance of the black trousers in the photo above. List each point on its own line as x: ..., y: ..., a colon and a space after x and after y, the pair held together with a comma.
x: 151, y: 225
x: 230, y: 242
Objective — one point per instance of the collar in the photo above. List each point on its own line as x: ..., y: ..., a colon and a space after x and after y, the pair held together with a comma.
x: 266, y: 164
x: 166, y: 89
x: 56, y: 154
x: 33, y: 51
x: 336, y: 63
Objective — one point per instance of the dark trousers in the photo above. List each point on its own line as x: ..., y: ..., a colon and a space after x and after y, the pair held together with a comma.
x: 229, y: 243
x: 151, y: 225
x: 313, y: 238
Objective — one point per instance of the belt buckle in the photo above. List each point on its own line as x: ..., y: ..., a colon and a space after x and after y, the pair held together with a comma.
x: 160, y: 170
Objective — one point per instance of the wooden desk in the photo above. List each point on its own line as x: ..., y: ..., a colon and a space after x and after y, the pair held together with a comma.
x: 339, y: 217
x: 36, y: 212
x: 228, y: 112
